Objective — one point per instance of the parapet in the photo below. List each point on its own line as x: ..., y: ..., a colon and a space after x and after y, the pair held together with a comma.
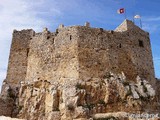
x: 60, y: 26
x: 87, y: 24
x: 30, y: 32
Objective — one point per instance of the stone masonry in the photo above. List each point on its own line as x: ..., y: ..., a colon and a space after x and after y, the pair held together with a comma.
x: 80, y: 52
x: 77, y: 72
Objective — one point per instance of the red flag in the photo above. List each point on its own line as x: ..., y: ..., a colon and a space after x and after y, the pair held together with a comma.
x: 121, y: 11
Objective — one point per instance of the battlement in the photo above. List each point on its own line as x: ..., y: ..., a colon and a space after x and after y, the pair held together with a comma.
x: 24, y: 31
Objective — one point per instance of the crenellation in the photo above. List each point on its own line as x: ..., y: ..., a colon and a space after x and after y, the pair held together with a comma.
x: 87, y: 24
x: 60, y: 26
x: 45, y: 29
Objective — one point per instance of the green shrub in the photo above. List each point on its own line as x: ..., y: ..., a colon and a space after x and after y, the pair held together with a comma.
x: 126, y: 83
x: 129, y: 92
x: 79, y: 86
x: 89, y: 106
x: 20, y: 108
x: 11, y: 94
x: 145, y: 89
x: 101, y: 102
x: 107, y: 75
x: 70, y: 107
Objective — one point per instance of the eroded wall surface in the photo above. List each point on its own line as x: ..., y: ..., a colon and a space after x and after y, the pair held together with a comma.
x: 127, y: 51
x: 18, y: 59
x: 53, y: 56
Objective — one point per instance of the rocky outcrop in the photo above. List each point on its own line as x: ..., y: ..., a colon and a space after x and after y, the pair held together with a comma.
x: 44, y: 100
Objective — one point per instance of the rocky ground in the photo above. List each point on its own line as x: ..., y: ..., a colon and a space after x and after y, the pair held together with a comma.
x: 86, y: 99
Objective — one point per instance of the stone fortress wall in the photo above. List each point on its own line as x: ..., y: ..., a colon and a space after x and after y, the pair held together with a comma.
x: 49, y: 71
x: 53, y: 56
x: 126, y: 50
x: 18, y: 59
x: 80, y: 52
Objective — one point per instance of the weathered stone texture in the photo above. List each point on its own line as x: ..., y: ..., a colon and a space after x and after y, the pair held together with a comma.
x: 6, y: 106
x: 53, y: 56
x: 80, y: 72
x: 100, y: 51
x: 79, y: 52
x: 42, y: 99
x: 18, y: 59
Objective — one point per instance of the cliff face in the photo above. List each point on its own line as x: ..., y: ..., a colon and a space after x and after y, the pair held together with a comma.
x: 80, y: 73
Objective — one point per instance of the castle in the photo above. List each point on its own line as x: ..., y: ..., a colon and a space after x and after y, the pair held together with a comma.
x: 79, y: 51
x: 73, y: 54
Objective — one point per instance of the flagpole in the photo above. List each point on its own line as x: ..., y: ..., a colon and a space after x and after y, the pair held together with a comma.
x: 125, y: 14
x: 140, y: 22
x: 133, y: 17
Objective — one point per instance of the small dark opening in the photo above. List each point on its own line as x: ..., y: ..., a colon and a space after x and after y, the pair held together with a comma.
x: 48, y: 37
x: 70, y: 37
x: 16, y: 88
x: 112, y: 31
x: 53, y: 40
x: 120, y: 45
x: 101, y: 29
x: 141, y: 43
x: 142, y: 83
x: 57, y: 31
x: 27, y: 51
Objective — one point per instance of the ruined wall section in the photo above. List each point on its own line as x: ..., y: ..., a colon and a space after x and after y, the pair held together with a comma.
x: 17, y: 67
x: 53, y: 56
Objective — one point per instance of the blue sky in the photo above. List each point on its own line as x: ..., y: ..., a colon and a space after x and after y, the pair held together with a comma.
x: 37, y: 14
